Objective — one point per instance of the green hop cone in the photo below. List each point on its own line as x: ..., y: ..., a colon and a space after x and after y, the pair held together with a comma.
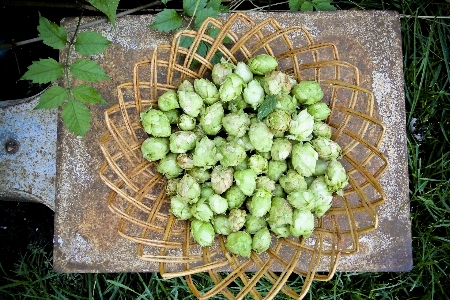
x: 278, y: 121
x: 155, y: 123
x: 186, y: 122
x: 200, y: 174
x: 261, y: 240
x: 168, y: 166
x: 260, y: 136
x: 207, y: 90
x: 218, y: 204
x: 320, y: 111
x: 307, y: 92
x: 259, y: 204
x: 239, y: 243
x: 244, y: 72
x: 236, y: 219
x: 186, y: 86
x: 335, y: 176
x: 235, y: 197
x: 281, y: 149
x: 221, y: 71
x: 203, y: 232
x: 180, y: 207
x: 302, y: 199
x: 264, y: 182
x: 189, y: 188
x: 168, y: 101
x: 322, y: 195
x: 182, y: 141
x: 190, y: 102
x: 277, y: 82
x: 155, y: 148
x: 262, y: 64
x: 205, y: 153
x: 185, y: 161
x: 236, y: 124
x: 173, y: 115
x: 327, y: 149
x: 253, y: 224
x: 231, y: 88
x: 280, y: 213
x: 201, y: 210
x: 302, y: 223
x: 231, y: 154
x: 292, y: 181
x: 276, y: 169
x: 221, y: 224
x: 211, y: 119
x: 253, y: 94
x: 258, y: 164
x: 304, y: 159
x: 221, y: 178
x: 246, y: 181
x: 301, y: 126
x: 321, y: 129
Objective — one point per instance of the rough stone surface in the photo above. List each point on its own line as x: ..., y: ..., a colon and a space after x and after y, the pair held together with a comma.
x: 28, y: 174
x: 86, y: 238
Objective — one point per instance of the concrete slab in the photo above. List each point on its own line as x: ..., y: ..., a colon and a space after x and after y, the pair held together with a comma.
x: 86, y: 238
x: 28, y: 152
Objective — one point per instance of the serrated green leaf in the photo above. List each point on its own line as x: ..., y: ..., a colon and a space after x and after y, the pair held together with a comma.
x: 164, y: 2
x: 214, y: 32
x: 192, y: 6
x: 77, y: 117
x: 217, y: 5
x: 91, y: 43
x: 167, y: 20
x: 307, y: 6
x: 44, y: 71
x: 108, y: 7
x: 87, y: 93
x: 324, y: 6
x: 294, y: 5
x: 203, y: 14
x: 52, y: 97
x: 186, y: 41
x: 267, y: 106
x: 217, y: 57
x: 88, y: 70
x: 51, y: 34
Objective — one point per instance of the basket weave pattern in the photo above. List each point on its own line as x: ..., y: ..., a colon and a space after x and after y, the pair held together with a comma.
x: 138, y: 195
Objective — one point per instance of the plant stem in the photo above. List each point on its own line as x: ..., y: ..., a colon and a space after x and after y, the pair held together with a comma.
x: 69, y: 47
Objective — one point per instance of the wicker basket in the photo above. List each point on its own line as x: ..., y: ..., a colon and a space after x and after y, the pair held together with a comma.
x: 138, y: 197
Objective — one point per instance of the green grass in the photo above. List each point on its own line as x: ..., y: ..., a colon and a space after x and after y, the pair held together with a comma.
x: 427, y: 89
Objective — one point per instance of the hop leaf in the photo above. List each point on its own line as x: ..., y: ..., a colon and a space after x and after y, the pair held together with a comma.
x: 267, y: 106
x: 167, y: 20
x: 52, y: 98
x: 44, y: 71
x: 190, y: 6
x: 76, y: 117
x: 108, y: 7
x: 88, y: 70
x: 52, y: 35
x: 204, y: 14
x: 87, y: 93
x: 91, y: 43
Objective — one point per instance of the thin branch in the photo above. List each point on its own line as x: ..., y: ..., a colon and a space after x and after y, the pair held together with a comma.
x: 87, y: 25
